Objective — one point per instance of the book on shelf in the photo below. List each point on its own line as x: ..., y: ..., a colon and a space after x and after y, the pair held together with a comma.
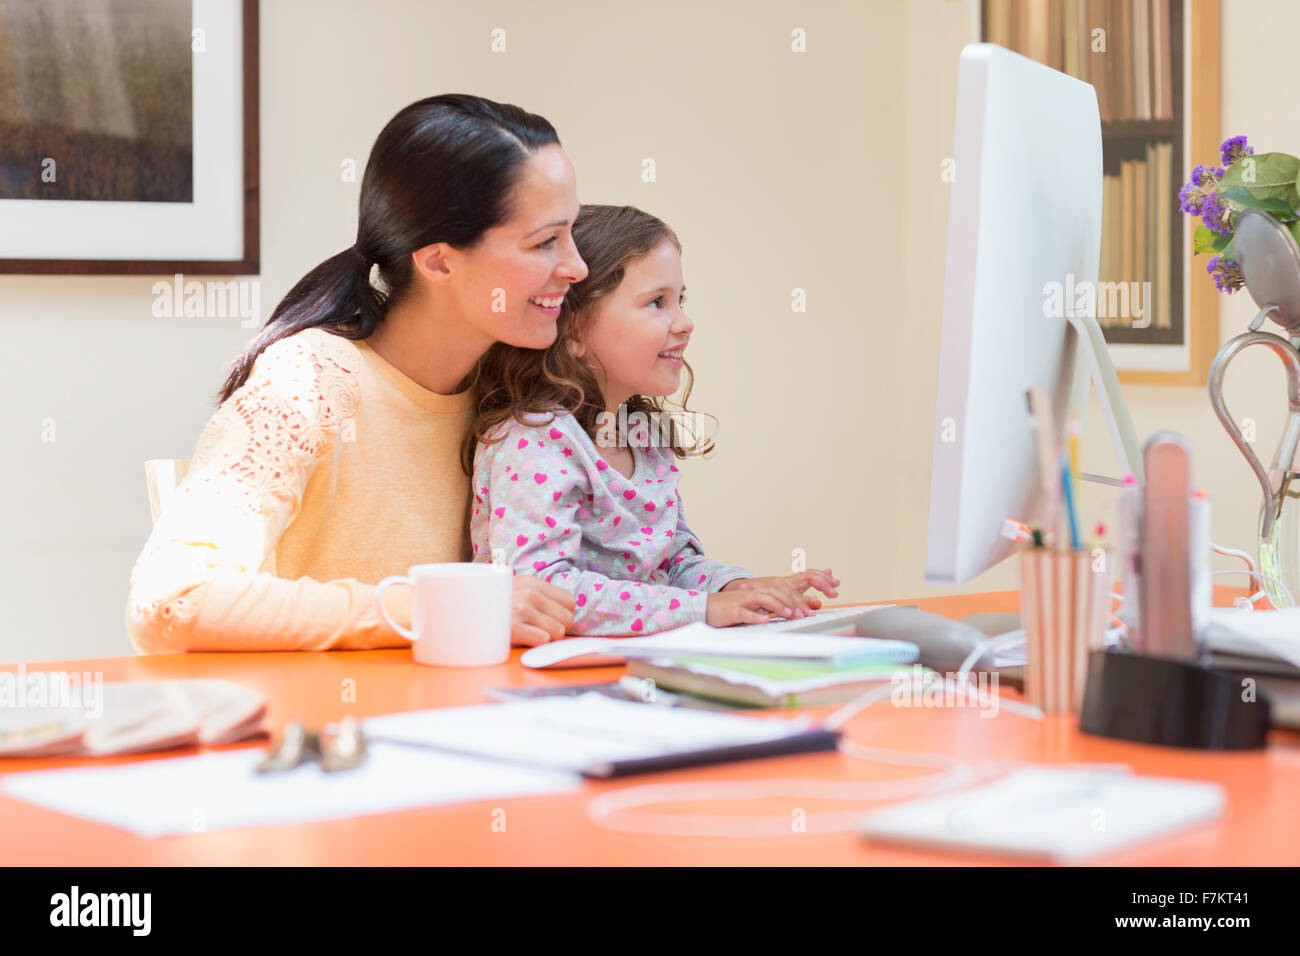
x: 1164, y: 235
x: 1136, y: 238
x: 1128, y: 224
x: 1122, y: 65
x: 1123, y: 48
x: 1138, y: 270
x: 1149, y: 217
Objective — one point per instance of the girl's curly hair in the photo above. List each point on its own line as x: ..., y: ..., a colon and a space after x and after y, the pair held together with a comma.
x: 515, y: 382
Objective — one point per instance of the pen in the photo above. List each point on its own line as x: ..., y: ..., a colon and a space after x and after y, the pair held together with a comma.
x: 1068, y: 484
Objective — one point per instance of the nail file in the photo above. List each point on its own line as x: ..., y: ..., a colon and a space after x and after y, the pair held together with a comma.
x: 1166, y: 623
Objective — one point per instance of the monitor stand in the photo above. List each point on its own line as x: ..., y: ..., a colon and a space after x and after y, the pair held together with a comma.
x: 1086, y: 347
x: 1092, y: 357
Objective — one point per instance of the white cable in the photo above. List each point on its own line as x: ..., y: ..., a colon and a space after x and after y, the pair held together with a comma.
x: 1009, y: 639
x: 610, y: 810
x: 1234, y: 553
x: 1263, y: 577
x: 1253, y: 571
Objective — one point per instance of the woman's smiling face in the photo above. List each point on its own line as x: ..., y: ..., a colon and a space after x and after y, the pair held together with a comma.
x: 510, y: 283
x: 637, y: 333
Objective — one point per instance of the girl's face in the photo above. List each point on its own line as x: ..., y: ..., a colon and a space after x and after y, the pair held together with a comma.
x: 636, y: 335
x: 509, y: 285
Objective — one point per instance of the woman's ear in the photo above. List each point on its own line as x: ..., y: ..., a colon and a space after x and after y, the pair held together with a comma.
x: 431, y: 262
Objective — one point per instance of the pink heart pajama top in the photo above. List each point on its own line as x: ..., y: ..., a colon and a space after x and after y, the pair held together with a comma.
x: 547, y: 504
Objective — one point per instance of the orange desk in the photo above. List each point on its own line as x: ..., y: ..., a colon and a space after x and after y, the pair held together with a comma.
x: 1261, y: 825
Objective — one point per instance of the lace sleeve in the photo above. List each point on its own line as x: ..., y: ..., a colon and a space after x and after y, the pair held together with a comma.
x: 198, y: 584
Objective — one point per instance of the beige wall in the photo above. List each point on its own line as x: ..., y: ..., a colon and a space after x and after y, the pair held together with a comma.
x: 778, y: 170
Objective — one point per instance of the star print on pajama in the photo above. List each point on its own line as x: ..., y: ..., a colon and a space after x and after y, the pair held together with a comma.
x: 551, y: 506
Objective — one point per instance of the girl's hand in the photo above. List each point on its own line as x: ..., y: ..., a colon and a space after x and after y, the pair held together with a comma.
x: 743, y: 605
x: 790, y: 589
x: 540, y: 612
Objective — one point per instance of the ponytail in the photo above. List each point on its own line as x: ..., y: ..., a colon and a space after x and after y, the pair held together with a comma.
x: 336, y: 295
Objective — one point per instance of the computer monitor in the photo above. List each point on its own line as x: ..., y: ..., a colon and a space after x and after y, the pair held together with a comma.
x: 1024, y: 213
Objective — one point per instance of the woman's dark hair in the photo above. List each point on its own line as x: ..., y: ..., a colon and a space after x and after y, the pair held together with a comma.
x: 441, y: 170
x: 516, y: 383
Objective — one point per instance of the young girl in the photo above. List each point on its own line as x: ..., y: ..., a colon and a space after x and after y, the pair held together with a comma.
x: 566, y: 489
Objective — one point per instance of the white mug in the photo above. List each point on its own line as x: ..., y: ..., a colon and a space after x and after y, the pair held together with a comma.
x: 460, y: 613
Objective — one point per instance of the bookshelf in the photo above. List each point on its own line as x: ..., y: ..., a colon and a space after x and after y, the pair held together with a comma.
x: 1157, y: 82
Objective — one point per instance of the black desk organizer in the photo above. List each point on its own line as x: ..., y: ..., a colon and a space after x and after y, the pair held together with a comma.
x: 1171, y: 703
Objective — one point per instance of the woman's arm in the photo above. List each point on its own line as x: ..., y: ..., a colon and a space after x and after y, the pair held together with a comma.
x: 198, y: 584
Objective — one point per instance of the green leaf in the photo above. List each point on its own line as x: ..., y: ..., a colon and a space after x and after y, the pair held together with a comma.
x: 1241, y: 196
x: 1269, y: 176
x: 1229, y: 252
x: 1220, y: 242
x: 1295, y: 230
x: 1202, y: 239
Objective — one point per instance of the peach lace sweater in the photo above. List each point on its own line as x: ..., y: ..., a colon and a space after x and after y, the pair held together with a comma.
x: 326, y: 471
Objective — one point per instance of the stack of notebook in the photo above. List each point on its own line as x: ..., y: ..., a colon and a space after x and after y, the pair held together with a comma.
x: 778, y: 682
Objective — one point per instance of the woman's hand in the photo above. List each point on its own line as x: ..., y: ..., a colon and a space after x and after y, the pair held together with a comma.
x: 540, y: 612
x: 791, y: 602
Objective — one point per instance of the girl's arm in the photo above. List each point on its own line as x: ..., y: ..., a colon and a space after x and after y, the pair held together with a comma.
x: 533, y: 525
x: 688, y: 567
x: 198, y: 584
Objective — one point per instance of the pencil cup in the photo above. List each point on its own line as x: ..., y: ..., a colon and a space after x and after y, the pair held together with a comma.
x: 1064, y: 604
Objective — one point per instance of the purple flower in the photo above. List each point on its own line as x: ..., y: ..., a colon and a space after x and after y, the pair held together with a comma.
x: 1214, y: 214
x: 1227, y: 274
x: 1233, y: 149
x: 1204, y: 182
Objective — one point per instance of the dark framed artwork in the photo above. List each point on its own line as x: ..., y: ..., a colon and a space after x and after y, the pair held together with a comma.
x: 129, y: 137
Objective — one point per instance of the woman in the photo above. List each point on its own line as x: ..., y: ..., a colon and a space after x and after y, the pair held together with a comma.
x: 333, y: 458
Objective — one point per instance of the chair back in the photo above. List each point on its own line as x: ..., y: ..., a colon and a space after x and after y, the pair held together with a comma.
x: 162, y: 476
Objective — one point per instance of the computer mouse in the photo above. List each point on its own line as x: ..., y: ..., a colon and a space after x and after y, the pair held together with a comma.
x: 943, y: 642
x: 572, y: 652
x: 993, y: 624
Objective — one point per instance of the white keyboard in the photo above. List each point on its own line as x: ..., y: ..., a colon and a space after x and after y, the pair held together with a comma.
x: 824, y: 620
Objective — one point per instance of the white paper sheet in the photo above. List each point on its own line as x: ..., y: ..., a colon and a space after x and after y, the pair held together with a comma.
x: 576, y: 732
x: 754, y: 640
x: 702, y: 640
x: 220, y: 791
x: 1270, y: 634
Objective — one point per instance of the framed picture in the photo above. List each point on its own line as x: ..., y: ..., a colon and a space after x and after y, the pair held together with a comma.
x: 1154, y: 65
x: 129, y: 137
